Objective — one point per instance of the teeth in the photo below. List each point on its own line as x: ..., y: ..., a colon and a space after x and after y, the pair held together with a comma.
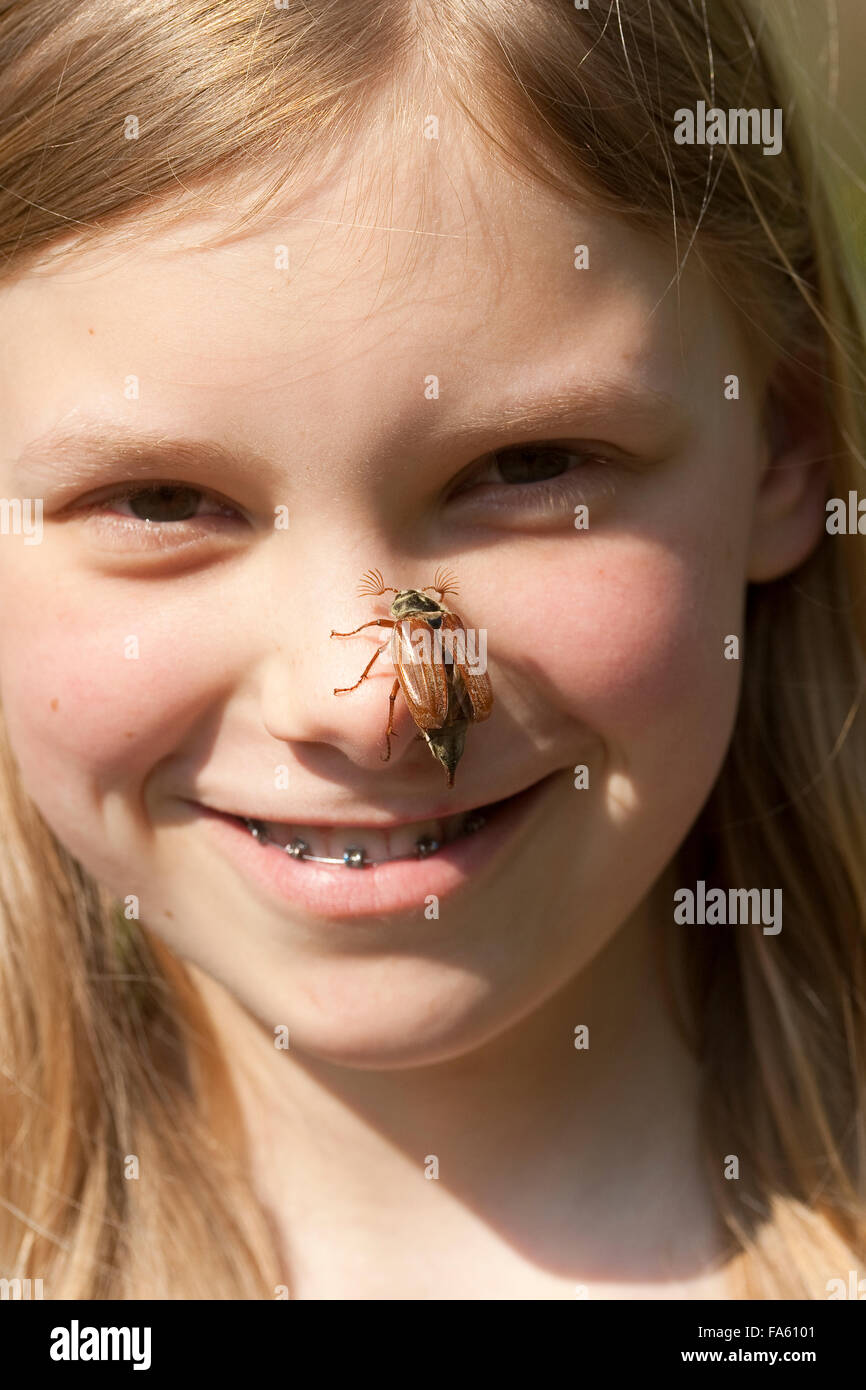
x: 331, y: 841
x: 356, y: 846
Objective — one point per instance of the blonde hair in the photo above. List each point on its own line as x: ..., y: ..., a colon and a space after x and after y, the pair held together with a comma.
x: 106, y: 1049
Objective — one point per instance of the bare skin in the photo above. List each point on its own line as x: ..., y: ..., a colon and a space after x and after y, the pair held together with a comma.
x: 562, y: 1173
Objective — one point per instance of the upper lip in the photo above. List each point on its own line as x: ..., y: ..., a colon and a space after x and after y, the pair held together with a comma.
x: 368, y: 816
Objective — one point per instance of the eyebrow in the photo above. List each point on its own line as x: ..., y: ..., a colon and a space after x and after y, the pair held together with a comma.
x: 604, y: 400
x: 73, y: 455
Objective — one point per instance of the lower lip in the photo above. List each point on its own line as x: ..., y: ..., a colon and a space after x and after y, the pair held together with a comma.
x: 397, y: 887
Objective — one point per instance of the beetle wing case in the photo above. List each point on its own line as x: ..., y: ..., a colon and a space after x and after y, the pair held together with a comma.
x: 424, y: 682
x: 476, y: 684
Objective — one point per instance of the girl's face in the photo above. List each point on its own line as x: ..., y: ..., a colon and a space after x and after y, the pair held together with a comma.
x: 387, y: 391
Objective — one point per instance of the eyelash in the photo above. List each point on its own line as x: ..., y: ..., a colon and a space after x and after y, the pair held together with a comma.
x: 542, y: 497
x: 127, y: 531
x: 591, y: 477
x: 129, y: 490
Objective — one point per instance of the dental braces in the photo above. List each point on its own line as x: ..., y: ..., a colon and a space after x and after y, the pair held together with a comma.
x: 355, y: 857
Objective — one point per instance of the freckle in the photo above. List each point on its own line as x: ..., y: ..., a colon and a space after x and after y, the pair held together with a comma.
x: 91, y: 330
x: 169, y: 914
x: 55, y: 704
x: 129, y: 735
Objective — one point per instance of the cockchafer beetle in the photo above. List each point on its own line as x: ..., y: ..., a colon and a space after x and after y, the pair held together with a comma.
x: 443, y: 694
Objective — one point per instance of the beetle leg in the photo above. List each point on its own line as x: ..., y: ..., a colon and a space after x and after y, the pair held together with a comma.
x: 344, y: 689
x: 391, y: 731
x: 376, y: 622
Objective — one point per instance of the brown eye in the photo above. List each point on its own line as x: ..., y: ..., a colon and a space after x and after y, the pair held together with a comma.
x: 166, y: 503
x: 531, y: 465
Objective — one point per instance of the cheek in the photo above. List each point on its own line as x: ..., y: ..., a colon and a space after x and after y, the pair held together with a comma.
x: 87, y: 715
x: 630, y: 638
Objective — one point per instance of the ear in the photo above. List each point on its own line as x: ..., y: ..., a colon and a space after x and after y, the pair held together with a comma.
x: 790, y: 504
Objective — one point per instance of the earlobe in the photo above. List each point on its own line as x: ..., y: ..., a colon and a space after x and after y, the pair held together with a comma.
x: 790, y: 512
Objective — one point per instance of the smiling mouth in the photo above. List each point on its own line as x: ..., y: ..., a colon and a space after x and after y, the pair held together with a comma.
x: 360, y: 847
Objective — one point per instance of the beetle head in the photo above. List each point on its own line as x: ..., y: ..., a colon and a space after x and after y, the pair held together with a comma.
x: 410, y: 602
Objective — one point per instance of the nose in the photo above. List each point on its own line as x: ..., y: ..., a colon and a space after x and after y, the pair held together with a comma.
x: 329, y: 698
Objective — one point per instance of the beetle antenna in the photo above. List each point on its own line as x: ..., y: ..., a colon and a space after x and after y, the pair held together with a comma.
x: 372, y: 584
x: 444, y: 583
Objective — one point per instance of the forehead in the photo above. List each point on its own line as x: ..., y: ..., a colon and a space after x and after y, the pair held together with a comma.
x: 414, y: 260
